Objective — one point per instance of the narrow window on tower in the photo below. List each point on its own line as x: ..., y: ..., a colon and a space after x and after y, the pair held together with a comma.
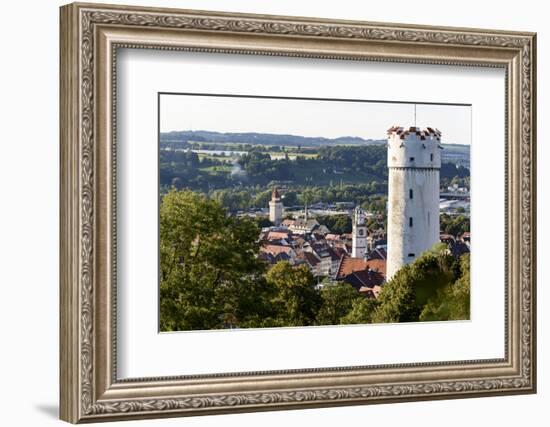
x: 410, y: 194
x: 411, y: 159
x: 410, y: 221
x: 411, y: 255
x: 432, y: 157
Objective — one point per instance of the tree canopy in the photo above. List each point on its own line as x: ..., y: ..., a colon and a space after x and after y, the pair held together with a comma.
x: 451, y: 302
x: 337, y: 301
x: 433, y: 287
x: 296, y: 301
x: 454, y: 225
x: 208, y: 265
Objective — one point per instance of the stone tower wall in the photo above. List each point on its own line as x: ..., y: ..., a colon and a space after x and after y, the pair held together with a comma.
x: 414, y: 161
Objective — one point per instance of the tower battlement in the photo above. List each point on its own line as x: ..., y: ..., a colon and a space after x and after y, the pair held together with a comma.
x: 414, y: 147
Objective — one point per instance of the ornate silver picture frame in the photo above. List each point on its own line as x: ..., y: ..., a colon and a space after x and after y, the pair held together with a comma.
x: 91, y: 34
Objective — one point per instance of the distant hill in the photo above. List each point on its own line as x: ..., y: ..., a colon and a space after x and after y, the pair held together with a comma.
x: 455, y: 153
x: 262, y: 139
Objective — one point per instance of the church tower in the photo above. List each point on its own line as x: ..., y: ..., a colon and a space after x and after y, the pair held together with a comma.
x: 275, y: 207
x: 414, y: 161
x: 359, y: 234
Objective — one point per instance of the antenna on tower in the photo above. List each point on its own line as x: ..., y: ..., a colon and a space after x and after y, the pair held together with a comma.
x: 414, y: 115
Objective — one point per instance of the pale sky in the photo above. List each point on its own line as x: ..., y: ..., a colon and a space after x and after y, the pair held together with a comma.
x: 318, y: 118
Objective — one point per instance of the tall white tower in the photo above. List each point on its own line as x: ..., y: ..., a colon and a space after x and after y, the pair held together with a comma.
x: 359, y: 234
x: 414, y: 161
x: 275, y: 207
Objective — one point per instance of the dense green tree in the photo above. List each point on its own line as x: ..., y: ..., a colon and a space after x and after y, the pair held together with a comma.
x: 290, y: 198
x: 452, y: 170
x: 397, y: 302
x: 337, y: 301
x: 376, y: 204
x: 260, y: 168
x: 338, y: 224
x: 263, y: 221
x: 454, y: 225
x: 234, y: 200
x: 307, y: 196
x: 362, y: 311
x: 451, y: 302
x: 209, y: 274
x: 262, y: 198
x: 296, y: 300
x: 403, y: 297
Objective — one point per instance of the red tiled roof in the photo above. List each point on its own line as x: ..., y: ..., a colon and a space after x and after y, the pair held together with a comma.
x: 277, y: 235
x: 275, y: 249
x: 349, y: 265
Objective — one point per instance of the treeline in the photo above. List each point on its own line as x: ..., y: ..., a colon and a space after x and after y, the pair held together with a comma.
x: 184, y: 169
x: 233, y: 146
x: 332, y: 166
x: 370, y: 196
x: 454, y: 225
x: 451, y: 171
x: 347, y: 163
x: 338, y: 224
x: 211, y: 278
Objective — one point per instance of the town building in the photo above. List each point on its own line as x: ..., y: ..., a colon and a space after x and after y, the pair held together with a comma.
x: 276, y: 207
x: 359, y: 234
x: 365, y: 276
x: 332, y: 258
x: 414, y: 162
x: 303, y: 224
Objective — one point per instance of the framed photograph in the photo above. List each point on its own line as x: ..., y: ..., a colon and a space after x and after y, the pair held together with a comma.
x: 266, y: 212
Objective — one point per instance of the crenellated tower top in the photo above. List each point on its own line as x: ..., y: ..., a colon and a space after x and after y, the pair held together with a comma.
x: 275, y: 195
x: 414, y: 147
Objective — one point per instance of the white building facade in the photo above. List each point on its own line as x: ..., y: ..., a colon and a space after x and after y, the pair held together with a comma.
x: 275, y: 207
x: 414, y: 162
x: 359, y: 234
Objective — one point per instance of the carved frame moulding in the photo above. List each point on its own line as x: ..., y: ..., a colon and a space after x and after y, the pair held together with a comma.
x: 90, y: 37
